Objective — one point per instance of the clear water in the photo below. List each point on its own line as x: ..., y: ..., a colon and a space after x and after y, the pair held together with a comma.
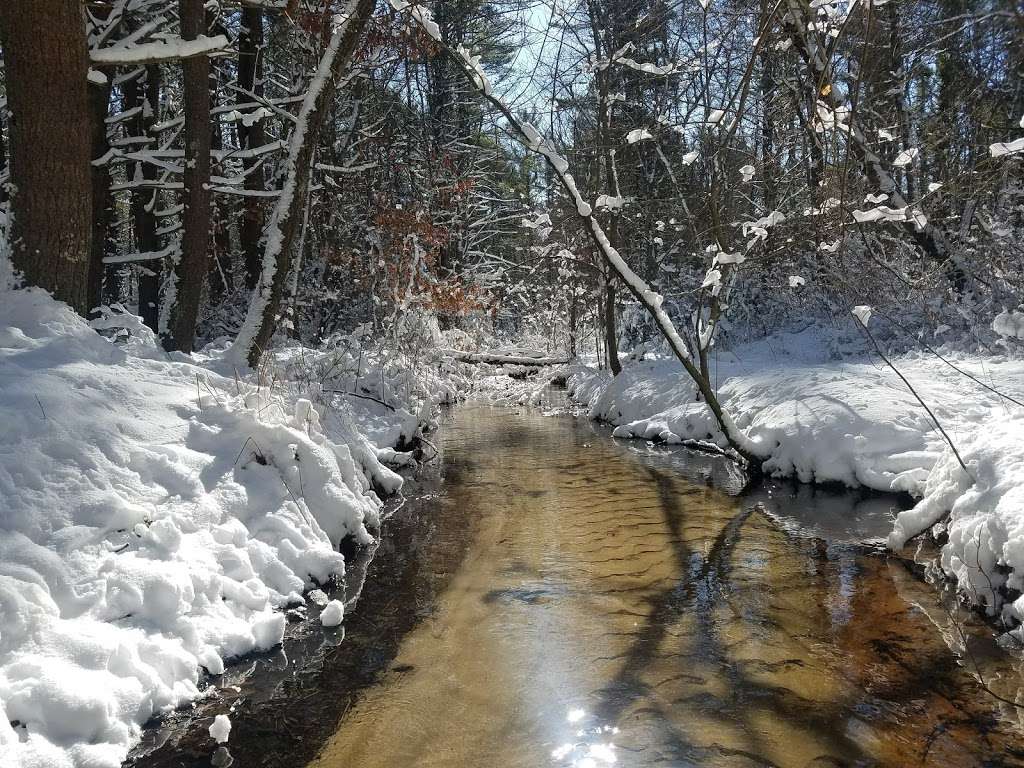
x: 563, y: 599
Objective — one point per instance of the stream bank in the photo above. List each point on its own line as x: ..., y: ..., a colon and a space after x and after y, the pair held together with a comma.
x: 551, y: 597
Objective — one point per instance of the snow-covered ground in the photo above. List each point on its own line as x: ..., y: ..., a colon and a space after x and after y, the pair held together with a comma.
x: 158, y: 511
x: 820, y: 417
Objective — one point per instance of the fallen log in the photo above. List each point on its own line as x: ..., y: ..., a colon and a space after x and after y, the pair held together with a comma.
x: 493, y: 358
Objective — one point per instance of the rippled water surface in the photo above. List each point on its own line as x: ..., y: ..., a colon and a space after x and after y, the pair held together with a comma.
x: 564, y: 599
x: 609, y: 611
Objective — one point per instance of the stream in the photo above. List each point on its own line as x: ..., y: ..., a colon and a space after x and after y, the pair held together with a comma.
x: 547, y: 596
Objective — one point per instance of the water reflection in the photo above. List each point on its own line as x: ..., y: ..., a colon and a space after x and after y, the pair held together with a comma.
x: 590, y: 746
x: 614, y: 608
x: 564, y: 599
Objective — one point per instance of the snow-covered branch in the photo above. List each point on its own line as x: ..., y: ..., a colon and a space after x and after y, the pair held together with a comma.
x: 160, y: 51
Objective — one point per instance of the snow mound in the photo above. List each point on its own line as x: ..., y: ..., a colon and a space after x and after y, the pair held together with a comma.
x: 154, y: 518
x: 984, y: 552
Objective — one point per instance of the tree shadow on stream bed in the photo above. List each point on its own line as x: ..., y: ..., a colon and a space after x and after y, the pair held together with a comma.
x: 904, y: 673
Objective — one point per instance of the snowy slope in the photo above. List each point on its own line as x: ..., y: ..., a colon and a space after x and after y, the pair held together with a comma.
x: 853, y: 421
x: 154, y: 515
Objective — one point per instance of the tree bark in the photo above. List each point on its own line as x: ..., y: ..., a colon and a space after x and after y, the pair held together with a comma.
x: 190, y: 268
x: 46, y: 62
x: 611, y: 338
x: 102, y: 212
x: 3, y: 155
x: 250, y: 77
x: 144, y: 200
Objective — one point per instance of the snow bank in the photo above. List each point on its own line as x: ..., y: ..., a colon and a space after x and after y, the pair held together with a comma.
x: 985, y: 529
x: 824, y: 419
x: 155, y: 516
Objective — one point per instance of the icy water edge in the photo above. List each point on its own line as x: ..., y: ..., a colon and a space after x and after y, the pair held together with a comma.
x: 551, y: 597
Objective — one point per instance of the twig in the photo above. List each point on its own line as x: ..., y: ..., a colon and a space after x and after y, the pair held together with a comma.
x: 364, y: 397
x: 928, y: 347
x: 433, y: 447
x: 258, y: 449
x: 974, y: 663
x: 913, y: 391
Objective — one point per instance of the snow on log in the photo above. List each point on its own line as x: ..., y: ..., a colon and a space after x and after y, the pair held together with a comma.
x: 171, y: 49
x: 495, y: 358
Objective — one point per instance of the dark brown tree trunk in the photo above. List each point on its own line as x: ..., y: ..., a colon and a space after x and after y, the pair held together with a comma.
x: 46, y: 64
x: 572, y: 321
x: 102, y: 211
x: 250, y: 77
x: 190, y: 269
x: 611, y: 340
x: 606, y: 165
x: 144, y: 201
x: 3, y: 156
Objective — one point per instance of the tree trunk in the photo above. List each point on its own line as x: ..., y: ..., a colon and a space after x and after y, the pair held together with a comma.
x: 3, y: 155
x: 572, y: 321
x: 102, y: 211
x: 143, y: 201
x: 286, y: 220
x: 611, y: 340
x: 190, y: 268
x: 250, y: 77
x: 46, y: 62
x: 219, y: 273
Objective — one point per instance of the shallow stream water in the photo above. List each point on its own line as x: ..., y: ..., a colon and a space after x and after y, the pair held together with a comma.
x: 564, y: 599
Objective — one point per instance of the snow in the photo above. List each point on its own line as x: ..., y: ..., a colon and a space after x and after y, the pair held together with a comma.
x: 863, y: 314
x: 220, y: 728
x: 905, y: 158
x: 1007, y: 147
x: 169, y: 49
x: 887, y: 213
x: 157, y: 514
x: 638, y: 134
x: 333, y: 613
x: 820, y: 417
x: 1009, y: 324
x: 609, y: 202
x: 985, y: 551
